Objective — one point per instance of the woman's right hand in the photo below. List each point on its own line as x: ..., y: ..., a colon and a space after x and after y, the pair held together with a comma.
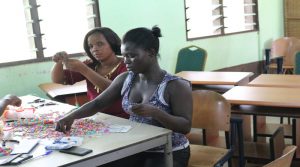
x: 64, y: 124
x: 60, y: 56
x: 13, y: 100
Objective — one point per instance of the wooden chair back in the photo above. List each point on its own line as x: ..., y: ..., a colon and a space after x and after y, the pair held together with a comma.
x: 211, y: 111
x: 279, y: 48
x: 285, y: 47
x: 277, y: 143
x: 260, y: 152
x: 285, y: 159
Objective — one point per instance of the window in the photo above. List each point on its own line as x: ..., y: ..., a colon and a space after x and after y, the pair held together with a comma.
x: 206, y: 18
x: 36, y: 29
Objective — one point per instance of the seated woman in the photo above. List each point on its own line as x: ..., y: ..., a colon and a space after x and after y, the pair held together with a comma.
x: 150, y: 95
x: 102, y: 46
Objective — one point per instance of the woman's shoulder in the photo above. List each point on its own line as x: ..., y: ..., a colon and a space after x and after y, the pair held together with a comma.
x: 176, y: 79
x: 123, y: 76
x: 175, y: 82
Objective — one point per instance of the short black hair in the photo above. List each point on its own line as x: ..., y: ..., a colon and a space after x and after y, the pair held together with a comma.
x: 111, y: 37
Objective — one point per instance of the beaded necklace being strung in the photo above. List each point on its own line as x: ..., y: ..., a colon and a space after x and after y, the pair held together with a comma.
x: 107, y: 76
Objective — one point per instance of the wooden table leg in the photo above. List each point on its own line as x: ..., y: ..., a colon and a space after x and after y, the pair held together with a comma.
x: 168, y: 151
x: 246, y: 126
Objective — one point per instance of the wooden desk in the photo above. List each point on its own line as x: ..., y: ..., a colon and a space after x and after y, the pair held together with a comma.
x: 267, y: 101
x: 215, y: 80
x: 66, y: 93
x: 216, y: 77
x: 276, y: 80
x: 111, y: 146
x: 264, y: 96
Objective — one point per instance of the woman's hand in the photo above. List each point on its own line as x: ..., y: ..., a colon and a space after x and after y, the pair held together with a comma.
x: 74, y: 65
x: 64, y: 124
x: 88, y: 61
x: 145, y: 110
x: 60, y: 56
x: 12, y: 100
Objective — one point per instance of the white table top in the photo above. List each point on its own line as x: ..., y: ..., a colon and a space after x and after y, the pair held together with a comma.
x: 109, y: 146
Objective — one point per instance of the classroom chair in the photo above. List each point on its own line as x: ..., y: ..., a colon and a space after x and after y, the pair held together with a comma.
x: 283, y: 50
x: 191, y: 58
x: 285, y: 160
x: 263, y: 152
x: 268, y: 129
x: 211, y: 114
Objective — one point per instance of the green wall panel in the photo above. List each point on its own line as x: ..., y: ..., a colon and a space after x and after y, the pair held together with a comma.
x: 122, y: 15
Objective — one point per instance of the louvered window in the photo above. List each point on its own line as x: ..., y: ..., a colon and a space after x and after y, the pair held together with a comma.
x: 207, y: 18
x: 36, y: 29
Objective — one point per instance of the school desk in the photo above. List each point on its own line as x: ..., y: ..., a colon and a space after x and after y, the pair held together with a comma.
x: 70, y: 94
x: 219, y: 81
x: 266, y: 101
x: 108, y: 146
x: 216, y: 77
x: 276, y: 80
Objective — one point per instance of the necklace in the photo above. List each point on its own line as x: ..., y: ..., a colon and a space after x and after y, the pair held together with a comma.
x: 107, y: 76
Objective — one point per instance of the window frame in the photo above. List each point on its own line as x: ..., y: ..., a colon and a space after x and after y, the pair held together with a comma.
x: 221, y: 21
x: 38, y: 35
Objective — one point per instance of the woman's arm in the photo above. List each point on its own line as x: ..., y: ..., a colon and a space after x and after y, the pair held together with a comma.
x: 100, y: 81
x: 57, y: 71
x: 58, y: 75
x: 90, y: 74
x: 106, y: 98
x: 179, y: 93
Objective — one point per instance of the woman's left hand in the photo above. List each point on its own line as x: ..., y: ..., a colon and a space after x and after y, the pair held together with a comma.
x: 74, y: 65
x: 145, y: 110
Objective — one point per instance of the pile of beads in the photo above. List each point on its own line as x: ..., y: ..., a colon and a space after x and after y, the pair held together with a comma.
x: 80, y: 127
x: 30, y: 121
x: 5, y: 151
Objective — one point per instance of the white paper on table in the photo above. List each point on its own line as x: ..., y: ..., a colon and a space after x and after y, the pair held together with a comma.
x: 25, y: 146
x: 119, y: 128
